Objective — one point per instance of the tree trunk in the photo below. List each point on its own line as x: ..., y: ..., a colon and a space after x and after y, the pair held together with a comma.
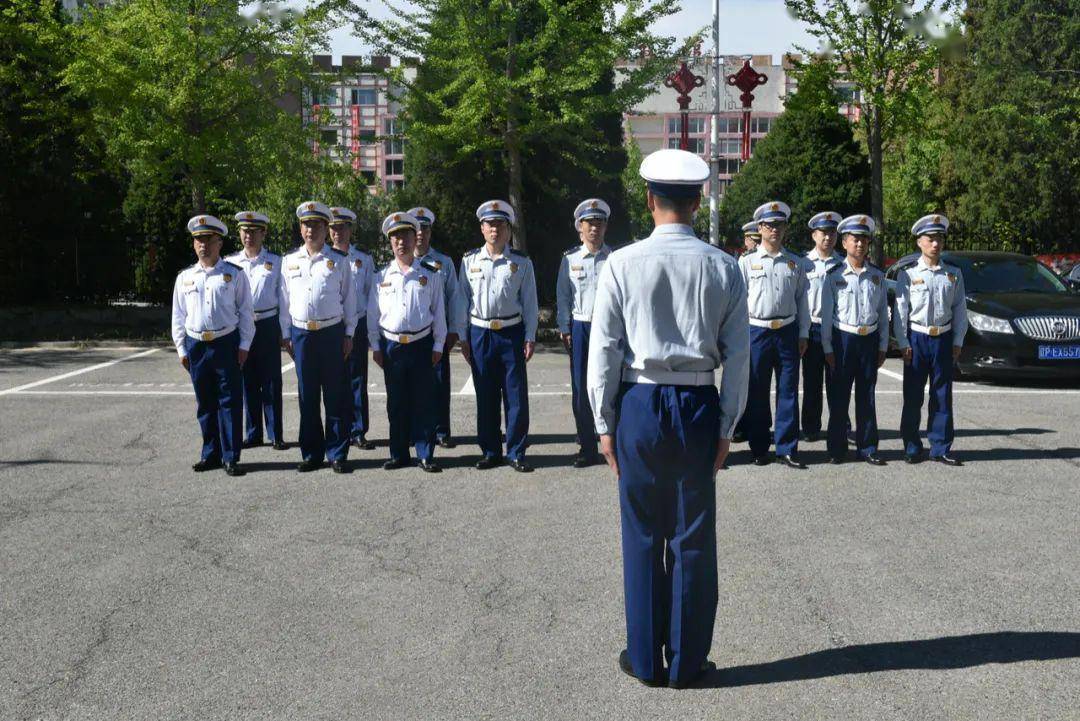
x: 877, y: 199
x: 512, y: 143
x: 198, y: 199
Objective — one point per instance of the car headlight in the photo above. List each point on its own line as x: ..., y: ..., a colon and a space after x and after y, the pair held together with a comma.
x: 988, y: 323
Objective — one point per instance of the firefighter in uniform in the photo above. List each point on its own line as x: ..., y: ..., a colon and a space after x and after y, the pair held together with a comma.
x: 820, y: 260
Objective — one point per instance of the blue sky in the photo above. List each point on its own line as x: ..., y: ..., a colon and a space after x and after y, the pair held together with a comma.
x: 746, y: 26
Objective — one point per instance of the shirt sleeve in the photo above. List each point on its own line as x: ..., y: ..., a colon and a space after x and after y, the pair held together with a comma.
x: 464, y: 297
x: 564, y: 296
x: 733, y: 342
x: 606, y: 350
x: 883, y: 316
x: 903, y: 308
x: 959, y: 311
x: 179, y: 318
x: 373, y: 313
x: 828, y: 311
x: 530, y: 309
x: 802, y: 303
x: 349, y: 301
x: 438, y: 315
x: 245, y: 309
x: 454, y: 322
x: 284, y: 316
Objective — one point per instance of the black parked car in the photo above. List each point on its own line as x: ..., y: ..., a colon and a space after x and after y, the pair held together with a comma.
x: 1023, y: 319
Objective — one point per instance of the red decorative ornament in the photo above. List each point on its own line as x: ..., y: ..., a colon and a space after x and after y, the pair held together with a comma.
x: 683, y: 81
x: 746, y: 80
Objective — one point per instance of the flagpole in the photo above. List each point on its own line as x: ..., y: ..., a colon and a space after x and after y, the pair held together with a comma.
x: 714, y: 134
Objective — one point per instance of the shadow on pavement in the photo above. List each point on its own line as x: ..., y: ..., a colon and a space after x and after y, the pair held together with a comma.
x: 936, y: 653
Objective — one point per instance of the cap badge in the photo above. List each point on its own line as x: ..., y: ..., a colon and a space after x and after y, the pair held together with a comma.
x: 774, y: 206
x: 937, y: 219
x: 201, y: 221
x: 594, y: 205
x: 420, y: 213
x: 862, y: 219
x: 311, y: 206
x: 397, y: 217
x: 249, y: 216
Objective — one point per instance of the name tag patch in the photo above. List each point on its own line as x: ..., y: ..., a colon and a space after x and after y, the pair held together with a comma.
x: 920, y: 281
x: 755, y: 267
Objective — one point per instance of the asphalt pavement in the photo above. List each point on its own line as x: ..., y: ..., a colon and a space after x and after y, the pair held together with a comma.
x: 133, y: 588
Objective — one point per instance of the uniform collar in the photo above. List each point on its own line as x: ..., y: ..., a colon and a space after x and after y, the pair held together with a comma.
x: 762, y: 253
x: 848, y: 268
x: 673, y: 229
x: 198, y: 267
x: 586, y: 254
x: 325, y: 252
x: 394, y: 267
x: 922, y: 264
x: 813, y: 255
x: 254, y: 261
x: 505, y: 254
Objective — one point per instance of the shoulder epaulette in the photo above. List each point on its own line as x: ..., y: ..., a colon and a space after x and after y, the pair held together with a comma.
x: 905, y: 266
x: 571, y: 250
x: 235, y: 266
x: 515, y: 251
x: 835, y: 268
x: 335, y: 250
x: 429, y: 265
x: 474, y: 251
x: 871, y: 265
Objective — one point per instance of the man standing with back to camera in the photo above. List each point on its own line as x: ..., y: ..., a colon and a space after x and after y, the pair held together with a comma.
x: 670, y: 310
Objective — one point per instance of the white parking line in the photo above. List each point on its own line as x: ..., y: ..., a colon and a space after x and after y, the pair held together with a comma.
x: 62, y: 376
x: 891, y: 374
x: 468, y: 389
x: 288, y: 367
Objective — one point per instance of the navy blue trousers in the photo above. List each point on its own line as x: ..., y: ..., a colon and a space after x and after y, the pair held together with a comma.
x: 357, y: 369
x: 262, y: 383
x: 219, y: 395
x: 814, y: 369
x: 498, y: 367
x: 666, y: 439
x: 410, y: 397
x: 320, y: 368
x: 931, y: 358
x: 773, y: 350
x: 442, y: 397
x: 583, y: 415
x: 856, y: 364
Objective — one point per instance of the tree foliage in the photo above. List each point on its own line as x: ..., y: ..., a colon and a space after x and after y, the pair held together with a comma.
x: 810, y: 160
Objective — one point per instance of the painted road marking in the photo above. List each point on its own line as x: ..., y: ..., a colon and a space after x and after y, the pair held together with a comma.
x: 62, y: 376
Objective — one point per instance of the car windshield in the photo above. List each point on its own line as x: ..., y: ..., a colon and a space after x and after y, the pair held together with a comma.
x: 1007, y: 275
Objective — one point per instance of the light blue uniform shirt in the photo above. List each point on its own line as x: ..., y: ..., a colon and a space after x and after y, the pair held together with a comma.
x: 362, y: 268
x: 211, y: 300
x: 855, y: 298
x: 444, y: 266
x: 268, y: 296
x: 930, y: 297
x: 669, y: 303
x: 407, y: 301
x: 503, y: 287
x: 816, y: 269
x: 575, y: 288
x: 320, y: 287
x: 776, y: 287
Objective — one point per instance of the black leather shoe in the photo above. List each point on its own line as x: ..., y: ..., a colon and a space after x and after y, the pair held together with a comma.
x: 363, y: 444
x: 762, y: 460
x: 874, y: 459
x: 309, y: 466
x: 836, y: 460
x: 234, y: 469
x: 583, y: 460
x: 626, y: 667
x: 341, y: 466
x: 706, y: 667
x: 947, y: 460
x: 912, y: 458
x: 395, y: 463
x: 738, y: 437
x: 811, y: 436
x: 446, y: 442
x: 430, y: 466
x: 280, y: 446
x: 251, y: 443
x: 205, y: 465
x: 488, y: 462
x: 520, y: 465
x: 791, y: 462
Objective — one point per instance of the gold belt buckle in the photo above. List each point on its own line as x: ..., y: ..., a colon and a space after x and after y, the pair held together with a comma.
x: 403, y: 338
x: 313, y: 325
x: 863, y: 330
x: 933, y: 330
x: 496, y: 325
x: 208, y: 335
x: 775, y: 324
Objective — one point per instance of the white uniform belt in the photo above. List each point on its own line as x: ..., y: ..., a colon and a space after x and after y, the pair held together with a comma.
x: 669, y: 378
x: 266, y: 313
x: 815, y: 319
x: 586, y: 317
x: 316, y: 324
x: 496, y: 323
x: 404, y: 338
x: 209, y: 335
x: 856, y: 329
x: 931, y: 330
x: 773, y: 323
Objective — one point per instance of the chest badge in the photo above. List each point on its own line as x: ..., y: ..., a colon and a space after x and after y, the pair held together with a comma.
x: 951, y: 277
x: 875, y: 280
x: 513, y: 267
x: 791, y: 264
x: 330, y: 264
x: 423, y: 281
x: 268, y: 266
x: 228, y: 277
x: 359, y: 263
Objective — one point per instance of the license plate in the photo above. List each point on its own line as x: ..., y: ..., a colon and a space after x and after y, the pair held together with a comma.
x: 1059, y: 352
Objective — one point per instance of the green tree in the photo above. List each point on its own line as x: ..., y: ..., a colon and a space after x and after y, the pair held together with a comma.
x: 1014, y: 132
x: 810, y: 160
x: 636, y: 190
x: 883, y: 47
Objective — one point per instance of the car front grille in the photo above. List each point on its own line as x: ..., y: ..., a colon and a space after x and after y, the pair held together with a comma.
x: 1050, y: 327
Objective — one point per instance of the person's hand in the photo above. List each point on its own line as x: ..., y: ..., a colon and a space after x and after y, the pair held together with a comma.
x: 906, y: 353
x: 530, y: 346
x: 607, y: 450
x: 286, y: 345
x: 241, y: 355
x: 830, y: 358
x: 436, y: 356
x: 466, y: 352
x: 721, y: 454
x: 346, y: 346
x: 451, y: 341
x: 880, y: 358
x: 956, y: 352
x: 566, y: 341
x: 186, y: 362
x: 377, y: 356
x: 803, y: 343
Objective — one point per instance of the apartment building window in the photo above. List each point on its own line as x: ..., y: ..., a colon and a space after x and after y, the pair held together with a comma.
x: 394, y: 166
x: 729, y: 125
x: 368, y: 176
x: 364, y: 96
x: 696, y: 145
x: 328, y: 138
x: 329, y: 96
x: 729, y: 146
x: 395, y: 184
x: 695, y: 125
x: 729, y: 166
x: 394, y: 146
x: 760, y: 125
